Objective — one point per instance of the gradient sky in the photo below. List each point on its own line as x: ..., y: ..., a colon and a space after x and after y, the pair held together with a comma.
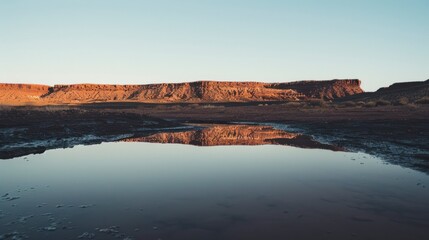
x: 138, y: 42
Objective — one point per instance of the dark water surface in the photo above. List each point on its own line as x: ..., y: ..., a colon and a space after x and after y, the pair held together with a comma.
x: 138, y: 190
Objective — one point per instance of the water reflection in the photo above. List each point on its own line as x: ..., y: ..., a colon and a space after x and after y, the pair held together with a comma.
x: 123, y: 190
x: 220, y: 135
x: 17, y: 142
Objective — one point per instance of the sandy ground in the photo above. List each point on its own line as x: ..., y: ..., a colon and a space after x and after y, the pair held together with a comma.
x: 266, y: 112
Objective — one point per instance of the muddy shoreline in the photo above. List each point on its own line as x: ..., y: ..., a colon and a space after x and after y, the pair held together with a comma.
x: 398, y: 134
x: 24, y: 132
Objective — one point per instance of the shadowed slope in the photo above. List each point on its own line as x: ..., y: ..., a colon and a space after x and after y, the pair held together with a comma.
x: 413, y: 91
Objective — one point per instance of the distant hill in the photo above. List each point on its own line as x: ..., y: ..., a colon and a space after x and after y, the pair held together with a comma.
x: 412, y: 91
x: 191, y: 92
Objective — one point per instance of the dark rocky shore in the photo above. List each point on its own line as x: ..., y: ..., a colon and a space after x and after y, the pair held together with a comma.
x: 25, y: 131
x: 398, y: 134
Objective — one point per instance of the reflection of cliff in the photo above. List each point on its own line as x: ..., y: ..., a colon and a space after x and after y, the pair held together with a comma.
x: 215, y: 135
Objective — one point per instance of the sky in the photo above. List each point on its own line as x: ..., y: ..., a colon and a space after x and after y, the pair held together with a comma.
x: 140, y: 42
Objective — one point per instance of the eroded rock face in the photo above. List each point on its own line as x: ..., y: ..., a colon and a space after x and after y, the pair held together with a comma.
x: 193, y: 92
x: 21, y: 93
x: 324, y: 89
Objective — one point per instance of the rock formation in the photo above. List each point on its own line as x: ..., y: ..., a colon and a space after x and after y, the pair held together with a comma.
x: 412, y: 91
x: 192, y: 92
x: 324, y: 89
x: 17, y: 94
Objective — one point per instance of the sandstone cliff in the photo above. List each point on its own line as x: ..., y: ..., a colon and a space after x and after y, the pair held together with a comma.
x: 18, y: 94
x: 192, y: 92
x: 324, y: 89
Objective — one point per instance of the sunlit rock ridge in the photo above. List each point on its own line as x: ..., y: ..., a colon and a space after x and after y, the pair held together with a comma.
x: 190, y: 92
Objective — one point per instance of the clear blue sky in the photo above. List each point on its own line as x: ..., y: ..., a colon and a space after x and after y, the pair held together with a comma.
x: 137, y: 42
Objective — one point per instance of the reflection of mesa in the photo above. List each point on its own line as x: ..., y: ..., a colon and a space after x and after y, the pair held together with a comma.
x: 216, y: 135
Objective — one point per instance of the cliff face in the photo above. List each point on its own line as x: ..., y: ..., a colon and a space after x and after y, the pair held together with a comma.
x: 21, y: 93
x: 324, y: 89
x: 203, y: 91
x: 193, y: 92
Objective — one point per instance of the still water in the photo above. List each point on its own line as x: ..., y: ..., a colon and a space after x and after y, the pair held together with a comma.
x: 140, y: 190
